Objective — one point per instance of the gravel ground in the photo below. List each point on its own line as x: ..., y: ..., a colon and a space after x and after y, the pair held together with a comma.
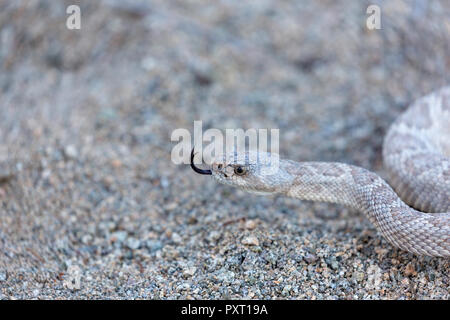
x: 93, y: 208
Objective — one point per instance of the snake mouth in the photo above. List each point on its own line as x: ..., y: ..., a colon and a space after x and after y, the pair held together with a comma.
x: 198, y: 170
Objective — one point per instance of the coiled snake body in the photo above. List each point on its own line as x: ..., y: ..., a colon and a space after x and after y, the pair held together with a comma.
x: 416, y: 154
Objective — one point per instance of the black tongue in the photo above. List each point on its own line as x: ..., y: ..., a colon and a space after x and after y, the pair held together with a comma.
x: 198, y: 170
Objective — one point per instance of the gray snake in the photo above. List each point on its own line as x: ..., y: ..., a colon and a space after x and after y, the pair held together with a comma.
x: 416, y: 155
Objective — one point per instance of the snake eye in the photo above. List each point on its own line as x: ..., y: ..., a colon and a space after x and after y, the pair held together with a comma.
x: 219, y: 166
x: 239, y: 170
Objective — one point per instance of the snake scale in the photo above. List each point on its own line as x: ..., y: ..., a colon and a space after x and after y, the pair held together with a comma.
x: 416, y: 155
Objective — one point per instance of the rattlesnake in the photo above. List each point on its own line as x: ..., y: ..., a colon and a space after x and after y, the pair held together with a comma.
x: 416, y: 154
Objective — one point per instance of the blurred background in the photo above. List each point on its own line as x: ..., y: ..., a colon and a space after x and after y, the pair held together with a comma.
x: 86, y: 181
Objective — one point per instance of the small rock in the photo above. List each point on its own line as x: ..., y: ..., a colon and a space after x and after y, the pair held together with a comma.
x: 202, y: 73
x: 286, y: 290
x: 374, y: 277
x: 214, y: 236
x: 46, y: 174
x: 310, y: 258
x: 189, y: 272
x: 165, y: 182
x: 119, y: 236
x: 116, y: 163
x: 6, y: 173
x: 87, y: 238
x: 3, y: 276
x: 250, y: 224
x: 171, y: 206
x: 409, y: 270
x: 224, y: 275
x: 133, y: 243
x: 251, y: 241
x: 334, y: 265
x: 154, y: 245
x: 71, y: 152
x: 5, y: 176
x: 359, y: 276
x: 135, y: 9
x: 107, y: 225
x: 176, y: 238
x: 148, y: 63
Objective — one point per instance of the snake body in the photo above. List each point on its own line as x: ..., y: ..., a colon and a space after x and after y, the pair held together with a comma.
x: 416, y: 155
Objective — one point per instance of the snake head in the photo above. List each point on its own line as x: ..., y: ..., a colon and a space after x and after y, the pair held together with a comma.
x: 256, y: 172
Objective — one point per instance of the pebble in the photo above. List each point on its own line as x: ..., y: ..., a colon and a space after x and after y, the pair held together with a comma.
x: 214, y: 235
x: 189, y: 271
x: 165, y: 182
x: 286, y: 290
x: 154, y: 245
x: 310, y: 258
x: 171, y: 206
x: 133, y: 243
x: 119, y: 236
x: 5, y: 174
x: 332, y: 263
x: 409, y: 270
x: 250, y: 224
x: 360, y: 276
x: 176, y: 238
x: 71, y: 152
x: 116, y: 163
x: 251, y: 241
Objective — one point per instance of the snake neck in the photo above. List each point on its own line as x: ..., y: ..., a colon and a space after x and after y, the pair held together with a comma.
x: 335, y: 182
